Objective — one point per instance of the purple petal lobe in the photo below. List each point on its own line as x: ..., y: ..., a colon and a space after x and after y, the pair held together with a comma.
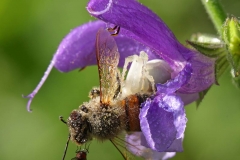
x: 176, y: 146
x: 175, y: 105
x: 203, y: 75
x: 103, y: 6
x: 35, y: 91
x: 157, y: 126
x: 162, y: 121
x: 188, y: 98
x: 134, y: 145
x: 77, y: 49
x: 140, y: 23
x: 174, y: 84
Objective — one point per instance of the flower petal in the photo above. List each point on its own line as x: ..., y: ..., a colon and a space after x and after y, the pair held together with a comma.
x: 175, y: 105
x: 176, y: 146
x: 188, y: 98
x: 173, y: 85
x: 203, y: 75
x: 162, y: 121
x: 134, y: 142
x: 140, y: 23
x: 77, y: 49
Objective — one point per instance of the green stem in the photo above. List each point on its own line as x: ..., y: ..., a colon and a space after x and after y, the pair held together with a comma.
x: 216, y: 13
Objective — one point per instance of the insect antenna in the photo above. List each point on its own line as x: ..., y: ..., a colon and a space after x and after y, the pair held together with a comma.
x: 61, y: 119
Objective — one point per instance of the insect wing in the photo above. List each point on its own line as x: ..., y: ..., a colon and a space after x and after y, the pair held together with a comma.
x: 122, y: 145
x: 107, y: 59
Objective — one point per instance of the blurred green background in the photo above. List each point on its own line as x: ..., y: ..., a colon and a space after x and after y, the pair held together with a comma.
x: 30, y: 32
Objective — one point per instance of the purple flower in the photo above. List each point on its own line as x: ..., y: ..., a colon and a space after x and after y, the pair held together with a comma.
x: 162, y: 118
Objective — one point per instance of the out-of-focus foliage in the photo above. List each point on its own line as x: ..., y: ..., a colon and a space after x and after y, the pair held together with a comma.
x: 30, y: 32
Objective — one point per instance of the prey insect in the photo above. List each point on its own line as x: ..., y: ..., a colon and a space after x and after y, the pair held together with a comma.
x: 114, y: 107
x: 81, y: 155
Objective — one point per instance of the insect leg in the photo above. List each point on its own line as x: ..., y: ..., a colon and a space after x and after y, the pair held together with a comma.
x: 127, y: 61
x: 66, y: 147
x: 115, y: 30
x: 69, y: 136
x: 145, y: 73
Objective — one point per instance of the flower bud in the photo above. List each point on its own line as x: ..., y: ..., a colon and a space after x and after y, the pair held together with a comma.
x: 231, y: 36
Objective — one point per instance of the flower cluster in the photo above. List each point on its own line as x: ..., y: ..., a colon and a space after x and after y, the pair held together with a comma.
x: 162, y: 118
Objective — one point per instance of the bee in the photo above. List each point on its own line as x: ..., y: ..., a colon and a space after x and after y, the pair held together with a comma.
x: 114, y: 107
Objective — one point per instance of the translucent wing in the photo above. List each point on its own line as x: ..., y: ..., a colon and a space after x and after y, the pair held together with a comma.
x: 107, y: 59
x: 129, y: 147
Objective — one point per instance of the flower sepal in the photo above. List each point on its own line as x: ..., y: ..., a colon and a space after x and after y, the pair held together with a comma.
x: 231, y: 36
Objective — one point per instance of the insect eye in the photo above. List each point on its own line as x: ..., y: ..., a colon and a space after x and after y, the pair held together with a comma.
x: 75, y: 115
x: 84, y: 109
